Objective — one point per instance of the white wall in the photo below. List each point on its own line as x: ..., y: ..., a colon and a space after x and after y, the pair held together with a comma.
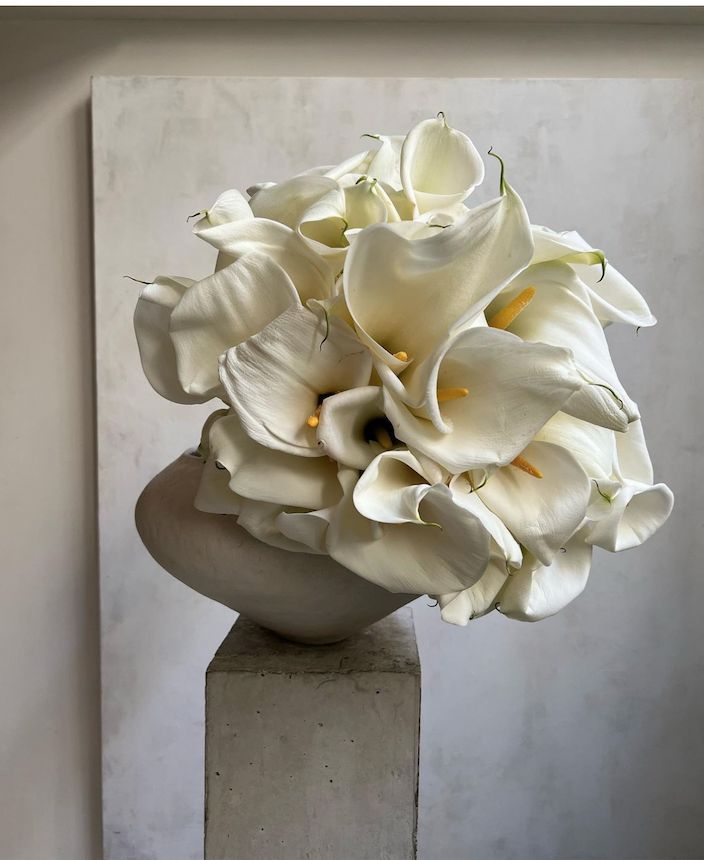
x: 49, y: 726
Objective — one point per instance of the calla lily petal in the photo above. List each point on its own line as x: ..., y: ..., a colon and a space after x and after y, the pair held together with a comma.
x: 392, y: 488
x: 513, y: 389
x: 558, y: 316
x: 312, y: 276
x: 592, y: 446
x: 536, y: 591
x: 636, y: 512
x: 541, y: 513
x: 152, y: 318
x: 460, y: 607
x: 278, y: 378
x: 405, y: 295
x: 466, y: 497
x: 214, y: 495
x: 286, y: 202
x: 409, y: 557
x: 261, y: 520
x: 351, y: 424
x: 613, y: 298
x: 223, y: 310
x: 439, y: 165
x: 229, y: 207
x: 265, y: 475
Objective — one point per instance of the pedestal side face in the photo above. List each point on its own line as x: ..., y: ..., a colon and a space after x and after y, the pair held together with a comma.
x: 314, y: 764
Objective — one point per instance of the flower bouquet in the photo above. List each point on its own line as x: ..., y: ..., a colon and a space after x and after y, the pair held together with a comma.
x: 419, y: 389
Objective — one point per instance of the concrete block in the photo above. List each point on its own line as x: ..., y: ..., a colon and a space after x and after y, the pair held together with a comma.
x: 312, y: 751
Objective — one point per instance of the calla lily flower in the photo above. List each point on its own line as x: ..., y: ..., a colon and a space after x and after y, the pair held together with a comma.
x: 266, y: 475
x: 629, y: 508
x: 353, y: 428
x: 286, y: 202
x: 612, y: 297
x: 538, y: 591
x: 277, y: 380
x: 542, y: 501
x: 553, y: 308
x: 407, y: 295
x: 486, y: 398
x: 221, y: 311
x: 229, y: 207
x: 152, y: 318
x: 260, y: 518
x: 439, y: 165
x: 236, y: 233
x: 426, y: 542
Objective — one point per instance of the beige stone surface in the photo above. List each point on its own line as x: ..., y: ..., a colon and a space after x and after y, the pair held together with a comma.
x: 313, y: 751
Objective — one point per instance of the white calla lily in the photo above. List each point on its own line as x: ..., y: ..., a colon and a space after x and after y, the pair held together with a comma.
x: 152, y: 317
x: 440, y: 547
x: 612, y: 297
x: 406, y: 295
x: 229, y: 207
x: 538, y: 591
x: 542, y: 504
x: 353, y: 429
x: 221, y: 311
x: 628, y: 508
x: 555, y: 310
x: 265, y: 475
x: 286, y: 202
x: 312, y: 276
x: 439, y: 165
x: 461, y: 607
x: 277, y: 380
x: 486, y: 398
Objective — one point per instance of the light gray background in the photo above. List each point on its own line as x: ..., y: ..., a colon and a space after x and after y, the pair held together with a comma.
x: 576, y: 738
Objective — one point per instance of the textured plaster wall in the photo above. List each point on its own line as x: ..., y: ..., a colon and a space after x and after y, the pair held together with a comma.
x: 49, y: 718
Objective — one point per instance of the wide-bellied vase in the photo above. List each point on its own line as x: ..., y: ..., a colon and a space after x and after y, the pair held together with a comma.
x: 304, y: 597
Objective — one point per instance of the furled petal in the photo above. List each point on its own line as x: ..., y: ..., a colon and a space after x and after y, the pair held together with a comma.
x: 323, y: 225
x: 636, y: 512
x: 410, y: 557
x: 557, y: 315
x: 156, y: 350
x: 632, y: 455
x: 405, y: 295
x: 223, y: 310
x: 439, y: 165
x: 460, y: 607
x: 214, y: 495
x: 513, y: 389
x: 351, y: 424
x: 364, y: 205
x: 384, y: 163
x: 613, y: 298
x: 261, y: 520
x: 541, y: 513
x: 312, y: 276
x: 308, y: 528
x: 392, y: 489
x: 230, y: 206
x: 505, y: 543
x: 259, y: 473
x: 536, y: 592
x: 277, y: 379
x: 592, y: 446
x: 287, y: 201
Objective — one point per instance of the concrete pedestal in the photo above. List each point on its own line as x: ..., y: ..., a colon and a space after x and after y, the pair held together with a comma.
x: 312, y: 751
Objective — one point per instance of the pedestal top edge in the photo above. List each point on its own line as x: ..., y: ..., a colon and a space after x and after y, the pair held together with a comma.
x: 387, y: 646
